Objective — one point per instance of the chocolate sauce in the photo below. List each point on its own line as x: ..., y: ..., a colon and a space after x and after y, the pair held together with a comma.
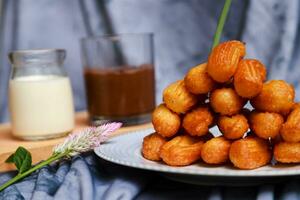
x: 120, y: 91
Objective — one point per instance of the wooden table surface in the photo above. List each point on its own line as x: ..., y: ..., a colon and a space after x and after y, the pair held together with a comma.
x: 43, y: 148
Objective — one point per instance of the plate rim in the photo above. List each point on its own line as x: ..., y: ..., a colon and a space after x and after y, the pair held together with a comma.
x: 239, y: 173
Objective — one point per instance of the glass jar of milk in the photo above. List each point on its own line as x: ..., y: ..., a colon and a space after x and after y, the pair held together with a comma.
x: 40, y: 96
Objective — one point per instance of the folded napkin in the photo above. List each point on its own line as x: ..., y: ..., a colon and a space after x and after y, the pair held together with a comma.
x: 81, y: 178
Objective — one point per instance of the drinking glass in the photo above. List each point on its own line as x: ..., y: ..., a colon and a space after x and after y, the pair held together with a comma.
x: 119, y: 78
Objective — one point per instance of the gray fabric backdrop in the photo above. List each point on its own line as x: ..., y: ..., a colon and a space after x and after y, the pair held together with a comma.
x: 183, y: 33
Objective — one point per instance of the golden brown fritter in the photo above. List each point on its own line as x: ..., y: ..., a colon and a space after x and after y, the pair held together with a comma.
x: 290, y: 130
x: 214, y: 93
x: 296, y: 105
x: 216, y: 150
x: 250, y: 153
x: 249, y: 78
x: 226, y: 101
x: 224, y: 59
x: 198, y: 121
x: 165, y: 122
x: 233, y: 127
x: 265, y: 124
x: 181, y: 150
x: 178, y: 98
x: 151, y: 146
x: 197, y: 80
x: 286, y: 152
x: 276, y: 96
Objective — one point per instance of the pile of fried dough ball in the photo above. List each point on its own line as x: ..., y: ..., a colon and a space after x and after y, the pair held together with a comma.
x: 215, y: 93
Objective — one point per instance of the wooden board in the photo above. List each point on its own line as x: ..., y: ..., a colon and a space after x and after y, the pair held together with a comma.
x: 42, y: 149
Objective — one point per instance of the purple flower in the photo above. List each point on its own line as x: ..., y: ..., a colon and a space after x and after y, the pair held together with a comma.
x: 86, y: 139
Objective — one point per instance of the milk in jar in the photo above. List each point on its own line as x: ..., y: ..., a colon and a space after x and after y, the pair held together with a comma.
x: 40, y: 96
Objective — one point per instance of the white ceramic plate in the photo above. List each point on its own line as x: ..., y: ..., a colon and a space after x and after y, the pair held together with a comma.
x: 126, y: 150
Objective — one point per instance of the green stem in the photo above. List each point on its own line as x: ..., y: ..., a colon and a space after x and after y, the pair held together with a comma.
x: 38, y: 166
x: 221, y: 23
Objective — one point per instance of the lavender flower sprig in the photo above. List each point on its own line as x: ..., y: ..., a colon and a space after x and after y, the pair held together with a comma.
x: 86, y: 140
x: 74, y: 144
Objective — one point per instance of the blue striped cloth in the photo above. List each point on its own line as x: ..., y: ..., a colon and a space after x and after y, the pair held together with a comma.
x: 88, y: 177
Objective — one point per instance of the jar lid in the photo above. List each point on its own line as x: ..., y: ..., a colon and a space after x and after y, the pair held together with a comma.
x: 36, y: 56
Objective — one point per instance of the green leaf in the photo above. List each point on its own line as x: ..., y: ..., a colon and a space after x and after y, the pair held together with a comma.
x: 10, y: 159
x: 26, y: 164
x: 21, y: 158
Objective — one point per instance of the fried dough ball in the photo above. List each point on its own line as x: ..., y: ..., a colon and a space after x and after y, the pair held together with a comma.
x: 165, y: 122
x: 226, y: 101
x: 216, y: 150
x: 197, y: 80
x: 296, y: 105
x: 265, y: 124
x: 233, y: 127
x: 198, y: 121
x: 152, y: 145
x: 178, y: 98
x: 285, y: 152
x: 276, y: 96
x: 224, y: 59
x: 250, y: 153
x: 290, y: 130
x: 249, y: 78
x: 181, y: 150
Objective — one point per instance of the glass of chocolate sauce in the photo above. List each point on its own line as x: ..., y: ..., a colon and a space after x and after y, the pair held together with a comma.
x: 119, y: 78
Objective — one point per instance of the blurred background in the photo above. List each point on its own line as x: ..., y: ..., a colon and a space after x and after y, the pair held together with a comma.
x: 183, y: 32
